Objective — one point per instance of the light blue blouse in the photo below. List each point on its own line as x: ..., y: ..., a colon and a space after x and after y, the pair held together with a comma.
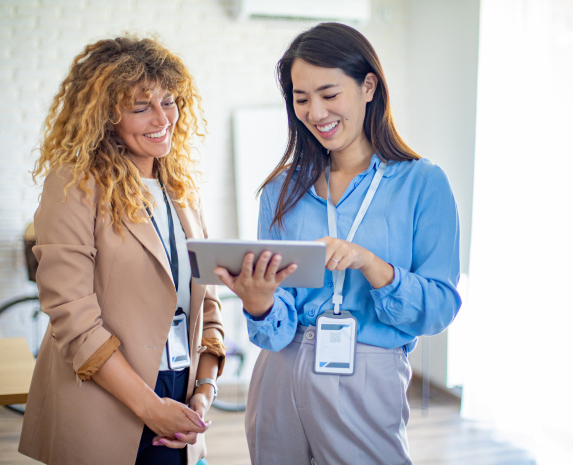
x: 412, y: 224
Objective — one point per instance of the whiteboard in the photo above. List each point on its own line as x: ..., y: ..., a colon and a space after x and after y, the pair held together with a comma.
x: 260, y: 137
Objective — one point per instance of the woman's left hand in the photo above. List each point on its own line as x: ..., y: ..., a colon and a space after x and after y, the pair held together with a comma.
x: 342, y: 254
x: 200, y: 403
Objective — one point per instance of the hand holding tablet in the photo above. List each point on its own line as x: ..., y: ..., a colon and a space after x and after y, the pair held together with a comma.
x: 257, y: 282
x: 254, y: 269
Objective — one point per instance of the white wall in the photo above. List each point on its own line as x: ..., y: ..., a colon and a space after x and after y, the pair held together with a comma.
x: 443, y: 59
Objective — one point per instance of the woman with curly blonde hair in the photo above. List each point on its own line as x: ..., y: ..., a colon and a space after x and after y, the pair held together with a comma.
x: 126, y: 370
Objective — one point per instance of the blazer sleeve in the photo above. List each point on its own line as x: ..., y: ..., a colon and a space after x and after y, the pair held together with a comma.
x: 213, y: 333
x: 66, y: 253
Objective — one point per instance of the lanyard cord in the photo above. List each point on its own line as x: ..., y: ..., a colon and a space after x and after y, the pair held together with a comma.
x: 339, y: 276
x: 173, y: 257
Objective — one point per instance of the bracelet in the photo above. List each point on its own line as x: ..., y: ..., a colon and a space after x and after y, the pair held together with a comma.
x: 210, y: 381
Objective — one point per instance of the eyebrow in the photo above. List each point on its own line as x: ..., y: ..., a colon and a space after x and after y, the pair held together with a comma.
x: 324, y: 87
x: 146, y: 102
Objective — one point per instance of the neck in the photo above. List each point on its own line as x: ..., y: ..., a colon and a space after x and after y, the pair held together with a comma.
x: 354, y: 158
x: 145, y: 166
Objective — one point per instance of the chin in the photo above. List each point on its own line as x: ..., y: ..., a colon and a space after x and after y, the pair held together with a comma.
x: 332, y: 147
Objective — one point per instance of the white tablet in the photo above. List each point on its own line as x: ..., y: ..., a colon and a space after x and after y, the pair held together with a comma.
x: 207, y: 254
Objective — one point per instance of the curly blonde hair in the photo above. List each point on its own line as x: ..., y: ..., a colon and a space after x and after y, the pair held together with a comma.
x: 79, y: 131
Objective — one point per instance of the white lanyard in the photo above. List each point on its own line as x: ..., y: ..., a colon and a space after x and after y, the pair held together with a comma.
x: 338, y: 276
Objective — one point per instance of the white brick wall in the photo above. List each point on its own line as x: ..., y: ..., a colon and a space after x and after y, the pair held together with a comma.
x: 233, y: 63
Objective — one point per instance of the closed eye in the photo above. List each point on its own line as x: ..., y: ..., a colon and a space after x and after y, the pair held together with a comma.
x: 330, y: 97
x: 300, y: 102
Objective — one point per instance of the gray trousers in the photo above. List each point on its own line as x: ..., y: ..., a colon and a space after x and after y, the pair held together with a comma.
x: 295, y: 416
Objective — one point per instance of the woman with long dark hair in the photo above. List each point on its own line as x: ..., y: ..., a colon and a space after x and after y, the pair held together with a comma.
x: 330, y: 386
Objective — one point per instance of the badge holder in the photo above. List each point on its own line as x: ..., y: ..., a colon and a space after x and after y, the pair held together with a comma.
x: 335, y: 349
x: 178, y: 343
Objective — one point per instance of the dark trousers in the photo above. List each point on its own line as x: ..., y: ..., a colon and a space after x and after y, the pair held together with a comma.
x: 172, y: 384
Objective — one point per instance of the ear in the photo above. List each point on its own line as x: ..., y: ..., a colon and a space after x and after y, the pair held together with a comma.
x: 369, y: 86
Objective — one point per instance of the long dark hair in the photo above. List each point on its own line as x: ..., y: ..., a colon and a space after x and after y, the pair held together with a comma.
x: 331, y: 45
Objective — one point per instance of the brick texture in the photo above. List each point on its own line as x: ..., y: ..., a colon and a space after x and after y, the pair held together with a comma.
x: 232, y: 61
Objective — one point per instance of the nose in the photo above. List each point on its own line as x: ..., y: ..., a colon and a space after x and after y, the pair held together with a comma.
x: 159, y: 116
x: 317, y: 111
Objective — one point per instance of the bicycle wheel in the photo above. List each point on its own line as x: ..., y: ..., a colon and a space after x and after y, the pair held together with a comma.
x: 23, y: 317
x: 241, y: 356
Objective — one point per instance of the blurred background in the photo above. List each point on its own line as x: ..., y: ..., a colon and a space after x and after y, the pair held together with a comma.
x: 481, y: 88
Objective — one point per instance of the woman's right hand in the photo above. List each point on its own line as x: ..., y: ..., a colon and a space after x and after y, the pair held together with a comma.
x: 256, y: 285
x: 165, y: 417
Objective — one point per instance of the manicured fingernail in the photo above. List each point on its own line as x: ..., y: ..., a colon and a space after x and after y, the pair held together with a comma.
x: 177, y: 435
x: 162, y: 441
x: 156, y: 443
x: 202, y: 424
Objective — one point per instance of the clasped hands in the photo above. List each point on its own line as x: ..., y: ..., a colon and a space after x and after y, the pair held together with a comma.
x: 177, y: 424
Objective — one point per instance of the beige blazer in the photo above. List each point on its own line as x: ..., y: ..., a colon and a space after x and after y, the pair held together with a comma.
x: 93, y: 283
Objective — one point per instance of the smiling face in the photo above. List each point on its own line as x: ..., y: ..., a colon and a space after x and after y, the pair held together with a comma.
x: 147, y: 127
x: 331, y: 105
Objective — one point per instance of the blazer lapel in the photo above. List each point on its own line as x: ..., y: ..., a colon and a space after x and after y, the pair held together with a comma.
x: 146, y: 234
x: 190, y: 225
x: 190, y: 221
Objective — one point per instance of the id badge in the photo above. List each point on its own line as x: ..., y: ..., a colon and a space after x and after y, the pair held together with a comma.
x: 178, y: 343
x: 335, y: 349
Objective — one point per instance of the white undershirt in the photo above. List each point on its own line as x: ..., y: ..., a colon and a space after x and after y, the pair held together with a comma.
x: 160, y: 217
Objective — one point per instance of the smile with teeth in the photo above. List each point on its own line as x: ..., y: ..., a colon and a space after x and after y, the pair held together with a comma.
x: 329, y: 127
x: 155, y: 135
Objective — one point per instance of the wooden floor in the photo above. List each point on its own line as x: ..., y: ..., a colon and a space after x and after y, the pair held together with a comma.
x: 442, y: 438
x: 439, y: 438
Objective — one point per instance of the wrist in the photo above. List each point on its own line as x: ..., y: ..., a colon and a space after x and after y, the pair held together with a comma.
x: 368, y: 260
x: 259, y: 311
x: 378, y: 272
x: 206, y: 390
x: 143, y: 407
x: 206, y: 387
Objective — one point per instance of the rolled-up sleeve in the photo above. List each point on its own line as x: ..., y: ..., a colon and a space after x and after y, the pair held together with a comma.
x: 213, y: 334
x: 424, y: 299
x: 98, y: 358
x: 66, y: 253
